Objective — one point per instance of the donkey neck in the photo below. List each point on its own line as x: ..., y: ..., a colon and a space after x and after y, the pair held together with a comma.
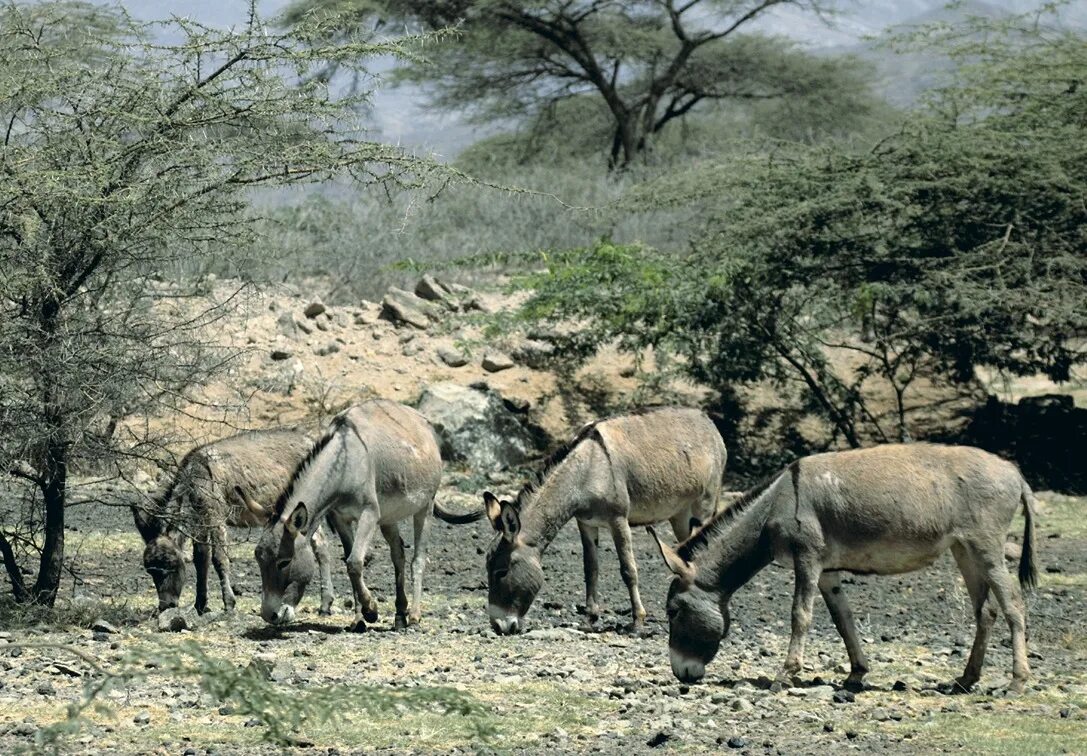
x: 739, y: 552
x: 321, y: 481
x: 554, y: 503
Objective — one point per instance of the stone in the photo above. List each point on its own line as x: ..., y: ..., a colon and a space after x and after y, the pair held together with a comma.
x: 143, y: 718
x: 102, y: 626
x: 331, y: 347
x: 278, y: 355
x: 454, y: 358
x: 742, y: 704
x: 534, y: 353
x: 403, y: 307
x: 659, y: 739
x: 175, y: 620
x: 313, y: 309
x: 285, y: 324
x: 843, y: 697
x: 474, y: 426
x: 493, y: 362
x: 736, y: 742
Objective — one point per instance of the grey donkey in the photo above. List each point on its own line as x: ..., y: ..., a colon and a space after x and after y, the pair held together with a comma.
x: 203, y: 497
x: 377, y: 464
x: 663, y: 463
x: 886, y: 510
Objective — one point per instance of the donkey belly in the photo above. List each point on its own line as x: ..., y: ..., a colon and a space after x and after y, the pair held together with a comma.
x: 884, y: 556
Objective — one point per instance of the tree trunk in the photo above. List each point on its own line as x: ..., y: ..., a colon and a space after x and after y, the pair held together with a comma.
x: 51, y: 566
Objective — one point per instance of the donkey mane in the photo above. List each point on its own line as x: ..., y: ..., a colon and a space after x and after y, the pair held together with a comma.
x: 720, y: 521
x: 284, y: 496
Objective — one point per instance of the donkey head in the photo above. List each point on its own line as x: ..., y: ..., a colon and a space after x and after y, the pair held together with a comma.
x: 514, y: 572
x: 287, y: 564
x: 162, y: 558
x: 697, y: 618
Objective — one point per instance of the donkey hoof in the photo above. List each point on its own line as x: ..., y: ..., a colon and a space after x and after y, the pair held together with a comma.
x: 777, y: 686
x: 956, y: 687
x: 358, y: 626
x: 370, y: 615
x: 1016, y: 688
x: 854, y: 684
x: 400, y: 622
x: 325, y: 611
x: 414, y: 619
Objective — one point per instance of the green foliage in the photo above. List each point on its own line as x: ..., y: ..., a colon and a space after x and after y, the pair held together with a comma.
x: 957, y: 242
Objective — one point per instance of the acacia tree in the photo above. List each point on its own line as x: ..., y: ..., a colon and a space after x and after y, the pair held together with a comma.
x: 955, y: 243
x: 122, y: 160
x: 649, y: 63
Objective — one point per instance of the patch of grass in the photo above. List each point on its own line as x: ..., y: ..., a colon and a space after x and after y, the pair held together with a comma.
x: 1015, y: 733
x: 1059, y: 514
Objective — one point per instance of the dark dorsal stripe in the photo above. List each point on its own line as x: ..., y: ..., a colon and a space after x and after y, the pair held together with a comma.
x: 284, y: 496
x: 720, y: 521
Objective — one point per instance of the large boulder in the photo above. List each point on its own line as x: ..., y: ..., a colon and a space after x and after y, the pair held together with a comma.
x: 475, y: 426
x: 401, y: 306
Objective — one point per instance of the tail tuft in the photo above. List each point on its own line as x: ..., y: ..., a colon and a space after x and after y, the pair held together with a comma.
x: 1028, y: 569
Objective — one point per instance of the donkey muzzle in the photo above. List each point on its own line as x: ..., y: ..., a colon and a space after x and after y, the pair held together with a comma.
x: 503, y: 622
x: 686, y: 669
x: 284, y: 616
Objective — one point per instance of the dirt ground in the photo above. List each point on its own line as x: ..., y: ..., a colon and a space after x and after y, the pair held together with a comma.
x: 562, y: 687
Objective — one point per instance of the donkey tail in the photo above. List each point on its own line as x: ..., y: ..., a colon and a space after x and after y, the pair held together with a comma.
x: 454, y: 518
x: 1028, y: 570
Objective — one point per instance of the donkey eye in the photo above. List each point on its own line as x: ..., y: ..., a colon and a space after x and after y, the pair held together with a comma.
x: 283, y: 564
x: 499, y: 574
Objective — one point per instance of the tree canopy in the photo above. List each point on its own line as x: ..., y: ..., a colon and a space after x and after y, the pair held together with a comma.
x: 956, y: 243
x: 647, y: 63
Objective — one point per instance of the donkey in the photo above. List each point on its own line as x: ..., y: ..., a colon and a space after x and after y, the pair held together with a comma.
x: 886, y: 510
x: 661, y: 463
x: 203, y: 497
x: 377, y: 464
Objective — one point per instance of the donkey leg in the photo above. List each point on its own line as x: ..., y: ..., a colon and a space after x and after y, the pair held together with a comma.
x: 396, y: 549
x: 418, y: 562
x: 806, y: 567
x: 221, y: 560
x: 830, y: 585
x: 365, y: 606
x: 973, y: 573
x: 590, y: 540
x: 681, y: 524
x: 201, y: 559
x: 1007, y: 593
x: 324, y: 569
x: 624, y: 547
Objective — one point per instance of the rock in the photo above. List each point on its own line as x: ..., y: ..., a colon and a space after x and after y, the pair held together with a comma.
x: 102, y: 626
x: 452, y: 357
x: 475, y: 426
x: 143, y: 718
x: 496, y: 361
x: 285, y: 325
x: 736, y: 742
x: 303, y: 326
x: 742, y: 704
x: 45, y: 689
x: 450, y: 295
x: 533, y: 353
x: 330, y: 348
x: 278, y: 355
x: 253, y: 722
x: 431, y: 288
x: 175, y: 620
x: 401, y: 306
x: 313, y: 309
x: 659, y: 739
x: 24, y: 729
x: 843, y: 697
x: 879, y: 714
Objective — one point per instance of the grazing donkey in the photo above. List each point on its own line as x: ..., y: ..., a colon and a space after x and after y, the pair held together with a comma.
x: 658, y: 464
x: 886, y: 510
x: 377, y: 464
x: 202, y: 499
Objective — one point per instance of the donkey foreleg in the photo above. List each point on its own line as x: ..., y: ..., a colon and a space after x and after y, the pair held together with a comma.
x: 806, y: 567
x: 365, y: 606
x: 590, y: 540
x: 324, y: 571
x: 396, y: 549
x: 833, y: 594
x: 221, y: 561
x: 624, y: 547
x: 201, y: 558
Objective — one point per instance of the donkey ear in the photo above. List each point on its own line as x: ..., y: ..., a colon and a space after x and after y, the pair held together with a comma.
x: 299, y: 519
x: 493, y: 507
x: 150, y: 527
x: 679, y: 566
x: 510, y: 521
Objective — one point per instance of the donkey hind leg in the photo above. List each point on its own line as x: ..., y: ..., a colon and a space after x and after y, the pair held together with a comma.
x: 421, y: 523
x: 973, y: 573
x: 356, y: 542
x: 807, y: 569
x: 681, y: 524
x: 396, y: 549
x: 324, y: 570
x: 221, y: 561
x: 201, y: 559
x: 628, y: 569
x: 1006, y: 592
x: 830, y: 586
x: 590, y: 540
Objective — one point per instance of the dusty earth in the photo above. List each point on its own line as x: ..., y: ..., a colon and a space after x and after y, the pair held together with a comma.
x: 562, y: 686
